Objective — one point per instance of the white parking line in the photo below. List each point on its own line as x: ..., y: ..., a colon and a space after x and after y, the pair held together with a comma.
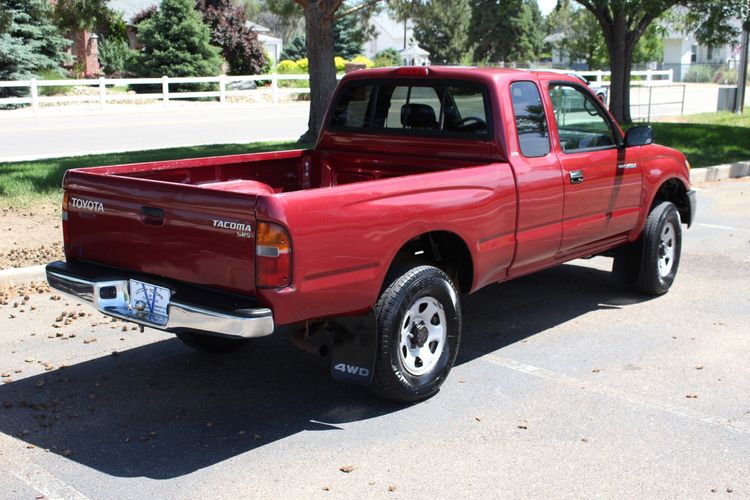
x: 38, y: 478
x: 727, y: 228
x: 604, y: 390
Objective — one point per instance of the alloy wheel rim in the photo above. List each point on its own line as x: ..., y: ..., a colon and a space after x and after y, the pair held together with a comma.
x: 666, y: 249
x: 423, y: 335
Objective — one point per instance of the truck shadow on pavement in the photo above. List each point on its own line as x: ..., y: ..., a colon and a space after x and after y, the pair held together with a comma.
x: 162, y: 411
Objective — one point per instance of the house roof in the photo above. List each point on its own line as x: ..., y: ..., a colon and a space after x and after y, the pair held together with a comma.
x: 129, y: 8
x: 256, y: 27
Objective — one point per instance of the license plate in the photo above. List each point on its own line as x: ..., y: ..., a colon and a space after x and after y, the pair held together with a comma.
x: 150, y: 299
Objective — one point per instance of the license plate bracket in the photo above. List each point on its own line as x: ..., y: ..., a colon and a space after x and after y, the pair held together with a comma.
x: 149, y: 300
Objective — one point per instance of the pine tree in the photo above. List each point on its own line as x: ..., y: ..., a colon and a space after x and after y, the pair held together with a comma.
x: 176, y: 42
x: 500, y: 30
x: 349, y: 33
x: 29, y: 42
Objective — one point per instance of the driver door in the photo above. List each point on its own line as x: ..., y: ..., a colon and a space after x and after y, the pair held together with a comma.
x: 602, y: 181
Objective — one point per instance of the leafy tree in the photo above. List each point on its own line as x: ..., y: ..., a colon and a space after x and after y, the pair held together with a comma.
x: 176, y: 42
x: 283, y: 17
x: 239, y: 44
x: 30, y: 43
x: 442, y: 28
x: 624, y: 23
x: 74, y: 15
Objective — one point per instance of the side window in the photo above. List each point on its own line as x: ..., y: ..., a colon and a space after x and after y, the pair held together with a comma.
x: 352, y: 108
x: 580, y: 122
x: 531, y: 122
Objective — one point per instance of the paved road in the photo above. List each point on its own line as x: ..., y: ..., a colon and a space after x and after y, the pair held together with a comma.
x: 566, y: 386
x: 64, y: 131
x: 51, y: 134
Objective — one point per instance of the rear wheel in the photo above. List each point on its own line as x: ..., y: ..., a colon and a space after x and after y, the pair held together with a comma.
x: 419, y: 331
x: 210, y: 343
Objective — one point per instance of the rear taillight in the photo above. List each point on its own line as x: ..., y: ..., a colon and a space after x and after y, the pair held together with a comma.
x: 65, y: 221
x: 273, y: 256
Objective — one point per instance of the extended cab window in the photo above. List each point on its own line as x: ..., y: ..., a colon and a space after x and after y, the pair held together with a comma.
x: 581, y: 123
x: 531, y: 122
x: 352, y: 108
x: 420, y: 108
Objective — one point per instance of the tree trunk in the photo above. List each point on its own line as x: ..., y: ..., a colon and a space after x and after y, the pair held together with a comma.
x: 619, y: 89
x: 319, y: 31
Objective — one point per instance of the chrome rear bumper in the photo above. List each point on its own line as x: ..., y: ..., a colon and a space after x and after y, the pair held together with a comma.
x: 111, y: 297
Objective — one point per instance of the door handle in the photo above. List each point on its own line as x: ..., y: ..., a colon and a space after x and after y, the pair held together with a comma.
x: 576, y: 176
x: 627, y: 166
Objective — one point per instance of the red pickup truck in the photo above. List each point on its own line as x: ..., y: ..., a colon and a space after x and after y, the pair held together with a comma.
x: 424, y: 183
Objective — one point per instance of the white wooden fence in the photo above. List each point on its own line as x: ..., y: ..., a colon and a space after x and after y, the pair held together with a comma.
x: 648, y: 77
x: 103, y: 97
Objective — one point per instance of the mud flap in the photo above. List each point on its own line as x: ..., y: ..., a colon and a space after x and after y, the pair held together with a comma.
x: 354, y: 348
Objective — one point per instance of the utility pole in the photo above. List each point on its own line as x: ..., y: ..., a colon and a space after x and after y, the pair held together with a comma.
x: 739, y: 103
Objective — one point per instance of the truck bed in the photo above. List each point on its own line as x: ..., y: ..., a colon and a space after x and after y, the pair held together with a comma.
x: 174, y: 207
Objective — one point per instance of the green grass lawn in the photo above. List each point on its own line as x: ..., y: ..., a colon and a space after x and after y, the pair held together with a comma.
x: 29, y: 182
x: 708, y: 139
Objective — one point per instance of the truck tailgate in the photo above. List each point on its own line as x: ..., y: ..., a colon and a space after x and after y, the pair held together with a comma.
x: 191, y: 233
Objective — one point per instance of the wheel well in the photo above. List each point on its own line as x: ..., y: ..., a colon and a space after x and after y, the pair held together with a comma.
x: 674, y: 190
x: 446, y: 251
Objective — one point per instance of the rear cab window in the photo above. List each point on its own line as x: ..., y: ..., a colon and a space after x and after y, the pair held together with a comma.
x: 420, y: 107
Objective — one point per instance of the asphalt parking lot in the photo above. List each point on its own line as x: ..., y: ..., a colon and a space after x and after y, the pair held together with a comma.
x: 567, y: 385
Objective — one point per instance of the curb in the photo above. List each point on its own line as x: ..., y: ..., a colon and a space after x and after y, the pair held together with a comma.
x: 22, y: 275
x: 720, y: 172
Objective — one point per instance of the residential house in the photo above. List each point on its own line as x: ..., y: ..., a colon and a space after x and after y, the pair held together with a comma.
x: 84, y: 51
x: 682, y: 50
x: 272, y: 44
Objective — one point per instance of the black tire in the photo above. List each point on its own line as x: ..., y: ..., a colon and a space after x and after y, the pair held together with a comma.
x: 210, y: 343
x: 426, y: 293
x: 651, y: 264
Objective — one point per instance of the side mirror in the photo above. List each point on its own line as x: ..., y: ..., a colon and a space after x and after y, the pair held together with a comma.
x: 642, y: 135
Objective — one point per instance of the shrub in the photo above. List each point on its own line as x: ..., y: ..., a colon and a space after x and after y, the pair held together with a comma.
x: 113, y: 56
x: 56, y: 90
x: 340, y: 63
x: 287, y: 67
x: 303, y: 65
x: 726, y: 76
x: 239, y: 44
x: 698, y: 74
x: 387, y: 57
x: 363, y: 60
